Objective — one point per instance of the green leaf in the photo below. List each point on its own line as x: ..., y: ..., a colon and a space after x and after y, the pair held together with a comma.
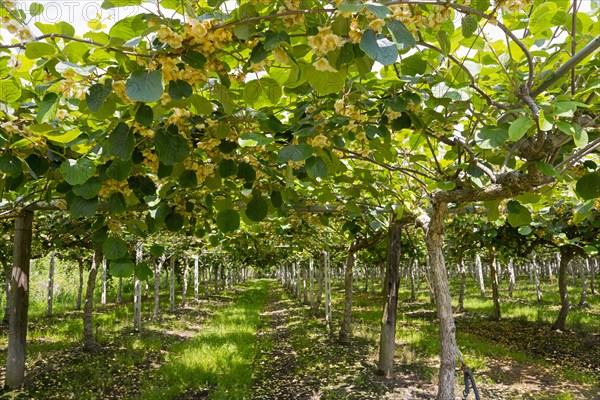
x: 446, y: 185
x: 39, y: 165
x: 194, y: 59
x: 143, y: 272
x: 171, y: 147
x: 201, y: 106
x: 316, y: 168
x: 10, y: 91
x: 518, y: 215
x: 174, y: 222
x: 469, y: 25
x: 413, y: 65
x: 47, y: 109
x: 378, y: 47
x: 119, y: 170
x: 444, y: 42
x: 519, y: 127
x: 121, y: 142
x: 89, y: 189
x: 276, y: 199
x: 228, y: 220
x: 257, y: 209
x: 547, y: 169
x: 180, y: 89
x: 188, y: 179
x: 588, y: 186
x: 157, y: 250
x: 295, y: 152
x: 122, y: 268
x: 402, y: 36
x: 246, y: 171
x: 253, y: 139
x: 80, y: 207
x: 145, y: 86
x: 351, y: 6
x: 326, y: 82
x: 144, y: 115
x: 35, y: 50
x: 60, y: 27
x: 117, y: 203
x: 380, y: 10
x: 545, y: 125
x: 492, y: 211
x: 35, y: 9
x: 77, y: 172
x: 227, y: 168
x: 524, y: 230
x: 11, y: 165
x: 96, y: 96
x: 490, y: 137
x: 114, y: 248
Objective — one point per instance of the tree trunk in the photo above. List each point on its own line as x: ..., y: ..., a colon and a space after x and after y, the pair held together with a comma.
x: 196, y: 279
x: 382, y: 276
x: 50, y: 287
x: 120, y: 291
x: 298, y: 280
x: 103, y: 294
x: 387, y: 338
x: 80, y: 267
x: 429, y: 282
x: 137, y: 291
x: 19, y: 301
x: 186, y: 267
x: 480, y: 275
x: 366, y: 269
x: 497, y: 312
x: 157, y: 270
x: 511, y: 278
x: 172, y: 284
x: 215, y: 269
x: 536, y: 278
x: 311, y: 278
x: 346, y: 325
x: 414, y: 270
x: 583, y: 265
x: 327, y: 279
x: 463, y: 283
x: 320, y: 279
x: 205, y: 278
x: 7, y: 277
x: 566, y: 255
x: 89, y: 342
x: 305, y: 284
x: 593, y: 266
x: 434, y: 239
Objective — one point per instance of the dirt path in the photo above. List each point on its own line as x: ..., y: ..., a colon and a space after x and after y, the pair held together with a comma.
x: 297, y: 360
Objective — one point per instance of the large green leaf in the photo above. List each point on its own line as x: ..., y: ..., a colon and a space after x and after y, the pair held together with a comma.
x: 122, y: 268
x: 490, y: 137
x: 228, y: 220
x: 326, y: 82
x: 145, y: 86
x: 246, y: 171
x: 253, y: 139
x: 257, y: 209
x: 117, y: 203
x: 588, y: 186
x: 119, y: 170
x: 180, y: 89
x: 401, y: 35
x: 469, y: 25
x: 10, y: 91
x: 194, y: 59
x: 316, y: 168
x: 114, y: 248
x: 77, y: 172
x: 121, y: 142
x: 143, y: 272
x: 89, y: 189
x: 378, y: 47
x: 144, y: 115
x: 295, y: 152
x: 35, y: 50
x: 227, y: 168
x: 174, y: 222
x: 80, y: 207
x: 11, y: 165
x: 96, y: 95
x: 171, y: 146
x: 48, y: 107
x: 518, y: 215
x: 519, y: 127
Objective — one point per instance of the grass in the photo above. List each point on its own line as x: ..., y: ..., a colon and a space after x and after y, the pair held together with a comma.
x: 207, y: 346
